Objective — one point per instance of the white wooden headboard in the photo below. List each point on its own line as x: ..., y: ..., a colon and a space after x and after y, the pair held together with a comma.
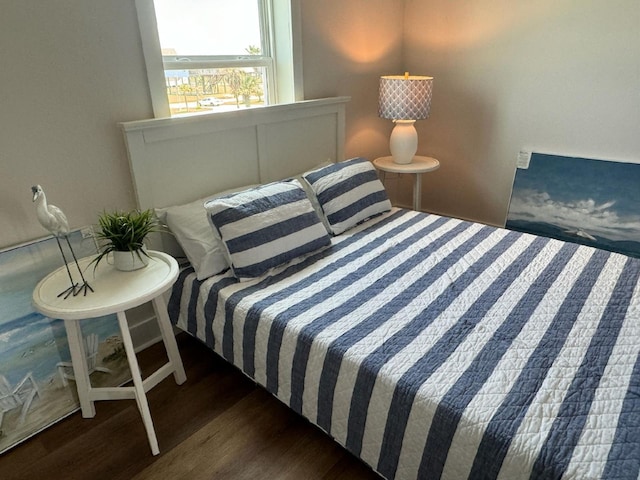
x: 177, y: 160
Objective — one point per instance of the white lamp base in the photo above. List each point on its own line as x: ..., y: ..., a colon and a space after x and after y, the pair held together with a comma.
x: 404, y: 141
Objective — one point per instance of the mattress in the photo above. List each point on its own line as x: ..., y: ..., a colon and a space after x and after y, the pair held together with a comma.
x: 436, y: 348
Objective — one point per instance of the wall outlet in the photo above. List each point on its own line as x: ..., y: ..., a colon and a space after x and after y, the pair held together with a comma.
x: 524, y: 158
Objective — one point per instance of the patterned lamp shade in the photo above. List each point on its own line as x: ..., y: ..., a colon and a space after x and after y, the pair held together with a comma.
x: 404, y: 97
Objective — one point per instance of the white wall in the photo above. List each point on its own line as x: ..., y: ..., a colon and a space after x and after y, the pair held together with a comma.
x: 558, y: 76
x: 347, y: 45
x: 71, y: 69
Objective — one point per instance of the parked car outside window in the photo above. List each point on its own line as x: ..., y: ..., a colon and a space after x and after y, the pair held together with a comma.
x: 210, y: 102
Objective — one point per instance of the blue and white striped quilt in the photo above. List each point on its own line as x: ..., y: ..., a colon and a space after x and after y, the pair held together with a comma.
x: 438, y: 348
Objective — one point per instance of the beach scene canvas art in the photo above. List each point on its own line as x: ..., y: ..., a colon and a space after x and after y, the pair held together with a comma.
x: 36, y: 377
x: 592, y: 202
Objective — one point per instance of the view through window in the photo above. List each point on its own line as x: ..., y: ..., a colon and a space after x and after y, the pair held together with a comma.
x: 216, y: 54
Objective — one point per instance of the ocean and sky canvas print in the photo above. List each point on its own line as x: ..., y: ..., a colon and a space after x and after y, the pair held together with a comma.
x: 592, y: 202
x: 34, y: 348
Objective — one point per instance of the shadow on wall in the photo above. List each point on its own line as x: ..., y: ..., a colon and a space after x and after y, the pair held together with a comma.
x: 459, y: 134
x: 15, y: 208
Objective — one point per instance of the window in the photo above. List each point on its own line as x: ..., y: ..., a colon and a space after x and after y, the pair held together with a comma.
x: 218, y: 55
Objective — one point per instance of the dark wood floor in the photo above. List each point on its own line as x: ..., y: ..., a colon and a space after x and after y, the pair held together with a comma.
x: 218, y: 425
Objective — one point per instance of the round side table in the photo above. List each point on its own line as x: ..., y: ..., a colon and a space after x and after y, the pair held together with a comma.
x: 418, y: 166
x: 115, y: 292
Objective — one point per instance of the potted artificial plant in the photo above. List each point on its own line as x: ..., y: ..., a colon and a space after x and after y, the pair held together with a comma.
x: 123, y: 233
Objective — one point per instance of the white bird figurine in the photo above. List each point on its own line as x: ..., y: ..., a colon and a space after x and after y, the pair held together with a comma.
x: 54, y: 220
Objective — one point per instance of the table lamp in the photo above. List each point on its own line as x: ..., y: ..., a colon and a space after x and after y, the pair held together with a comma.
x: 404, y: 99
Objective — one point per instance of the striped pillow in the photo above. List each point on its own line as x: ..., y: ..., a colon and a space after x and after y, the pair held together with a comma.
x: 266, y: 226
x: 349, y: 193
x: 191, y: 229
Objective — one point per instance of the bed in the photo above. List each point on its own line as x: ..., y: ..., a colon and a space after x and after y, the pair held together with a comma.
x: 430, y: 347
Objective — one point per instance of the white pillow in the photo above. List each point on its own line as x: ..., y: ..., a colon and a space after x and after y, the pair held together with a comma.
x: 191, y: 228
x: 349, y: 193
x: 266, y: 227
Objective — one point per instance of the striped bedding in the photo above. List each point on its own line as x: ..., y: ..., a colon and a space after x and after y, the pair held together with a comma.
x: 438, y: 348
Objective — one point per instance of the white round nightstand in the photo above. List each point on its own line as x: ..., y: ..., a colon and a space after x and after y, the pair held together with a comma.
x: 115, y: 292
x: 418, y: 166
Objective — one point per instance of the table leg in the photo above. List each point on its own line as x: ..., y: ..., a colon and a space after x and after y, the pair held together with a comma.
x: 169, y: 339
x: 80, y: 367
x: 136, y: 376
x: 417, y: 193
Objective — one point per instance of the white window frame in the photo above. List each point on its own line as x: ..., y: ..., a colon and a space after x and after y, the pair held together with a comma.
x: 282, y: 54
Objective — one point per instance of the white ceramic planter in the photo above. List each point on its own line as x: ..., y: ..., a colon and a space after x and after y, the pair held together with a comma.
x: 129, y: 261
